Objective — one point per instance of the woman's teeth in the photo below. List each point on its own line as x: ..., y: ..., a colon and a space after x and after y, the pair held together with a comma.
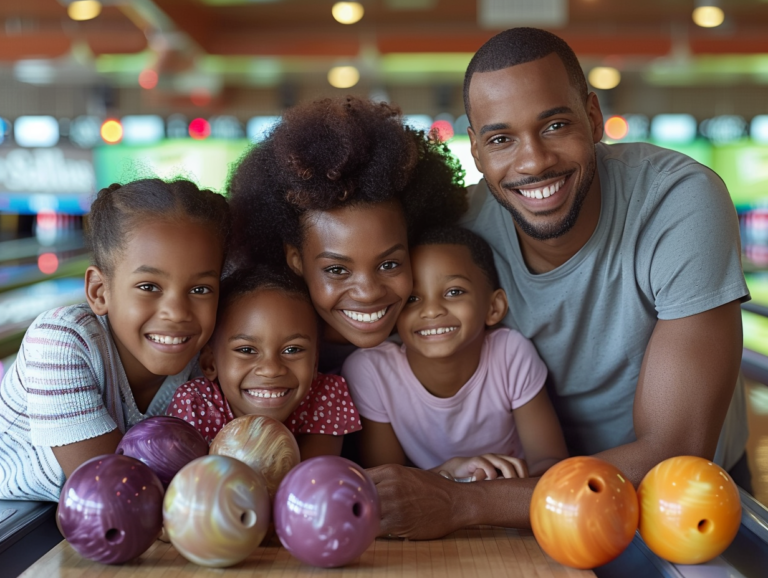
x: 166, y: 339
x: 365, y: 317
x: 438, y: 331
x: 266, y: 393
x: 543, y: 192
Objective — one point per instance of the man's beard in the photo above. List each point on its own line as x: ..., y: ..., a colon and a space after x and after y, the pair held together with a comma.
x: 554, y: 230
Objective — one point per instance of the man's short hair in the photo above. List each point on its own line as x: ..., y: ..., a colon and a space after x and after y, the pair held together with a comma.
x: 521, y: 45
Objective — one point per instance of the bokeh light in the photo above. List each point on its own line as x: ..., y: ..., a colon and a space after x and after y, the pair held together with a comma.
x: 347, y: 12
x: 616, y: 127
x: 604, y: 77
x: 200, y: 96
x: 46, y: 219
x: 199, y: 129
x: 84, y: 9
x: 48, y: 263
x: 442, y: 129
x: 148, y: 79
x: 343, y: 76
x: 708, y: 16
x: 112, y: 131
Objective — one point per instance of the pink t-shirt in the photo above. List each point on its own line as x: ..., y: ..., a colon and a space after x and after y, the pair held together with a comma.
x: 326, y: 409
x: 432, y: 430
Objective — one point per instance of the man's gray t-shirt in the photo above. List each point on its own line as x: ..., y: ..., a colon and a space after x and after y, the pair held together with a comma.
x: 666, y: 246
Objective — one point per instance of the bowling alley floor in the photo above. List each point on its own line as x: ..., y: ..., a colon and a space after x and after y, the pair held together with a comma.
x: 757, y: 446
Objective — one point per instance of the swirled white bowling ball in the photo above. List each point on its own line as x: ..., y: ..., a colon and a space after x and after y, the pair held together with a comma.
x: 216, y: 511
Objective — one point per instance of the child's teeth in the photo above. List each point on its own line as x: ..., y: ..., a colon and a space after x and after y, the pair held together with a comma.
x: 438, y: 331
x: 167, y: 339
x: 364, y: 317
x: 265, y: 393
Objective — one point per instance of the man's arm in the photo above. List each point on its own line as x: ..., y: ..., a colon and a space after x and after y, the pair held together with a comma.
x: 684, y: 389
x: 685, y: 386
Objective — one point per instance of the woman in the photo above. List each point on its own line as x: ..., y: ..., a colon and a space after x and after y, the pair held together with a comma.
x: 337, y: 189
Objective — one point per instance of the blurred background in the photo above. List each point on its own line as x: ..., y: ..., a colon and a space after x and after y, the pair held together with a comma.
x: 98, y: 92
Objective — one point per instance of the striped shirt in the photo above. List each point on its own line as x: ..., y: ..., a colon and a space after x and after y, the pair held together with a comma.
x: 66, y: 385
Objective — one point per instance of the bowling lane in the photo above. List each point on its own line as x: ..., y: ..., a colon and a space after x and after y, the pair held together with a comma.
x: 746, y: 557
x: 19, y: 307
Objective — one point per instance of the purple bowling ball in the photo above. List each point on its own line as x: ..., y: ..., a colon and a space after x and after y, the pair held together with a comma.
x: 111, y: 509
x: 326, y: 511
x: 165, y: 444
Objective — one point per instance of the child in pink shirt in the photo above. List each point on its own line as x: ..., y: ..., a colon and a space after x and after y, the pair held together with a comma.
x: 262, y: 360
x: 455, y: 397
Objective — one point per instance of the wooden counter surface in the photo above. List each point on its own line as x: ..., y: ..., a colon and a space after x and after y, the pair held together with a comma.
x: 482, y: 552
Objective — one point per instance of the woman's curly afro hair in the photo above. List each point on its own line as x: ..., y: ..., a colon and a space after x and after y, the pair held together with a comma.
x: 333, y: 153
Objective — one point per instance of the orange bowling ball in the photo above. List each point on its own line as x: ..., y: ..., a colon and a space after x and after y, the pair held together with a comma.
x: 584, y: 512
x: 690, y: 510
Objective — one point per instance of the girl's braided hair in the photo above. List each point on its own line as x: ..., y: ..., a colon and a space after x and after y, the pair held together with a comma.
x: 118, y: 209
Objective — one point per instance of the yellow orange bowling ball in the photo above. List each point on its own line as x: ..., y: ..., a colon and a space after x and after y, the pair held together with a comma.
x: 584, y: 512
x: 690, y: 510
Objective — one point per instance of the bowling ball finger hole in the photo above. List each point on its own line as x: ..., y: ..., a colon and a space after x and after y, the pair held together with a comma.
x: 595, y: 485
x: 120, y: 451
x: 113, y: 536
x: 357, y: 509
x: 704, y: 526
x: 248, y: 518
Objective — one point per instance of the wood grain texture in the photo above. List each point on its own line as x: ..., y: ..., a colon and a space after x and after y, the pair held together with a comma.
x: 476, y: 552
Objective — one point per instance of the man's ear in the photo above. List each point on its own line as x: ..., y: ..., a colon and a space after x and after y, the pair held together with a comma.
x: 96, y: 290
x: 208, y: 363
x: 473, y: 148
x: 497, y: 309
x: 595, y: 117
x: 293, y: 258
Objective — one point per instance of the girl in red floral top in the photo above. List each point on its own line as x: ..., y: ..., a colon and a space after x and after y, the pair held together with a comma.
x: 262, y: 360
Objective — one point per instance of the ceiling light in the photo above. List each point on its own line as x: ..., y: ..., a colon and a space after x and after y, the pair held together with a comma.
x: 604, y: 77
x: 708, y: 16
x: 347, y: 12
x: 343, y: 76
x: 84, y: 9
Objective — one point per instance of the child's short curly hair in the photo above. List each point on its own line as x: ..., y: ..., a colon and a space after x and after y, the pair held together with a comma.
x: 479, y: 249
x: 333, y: 153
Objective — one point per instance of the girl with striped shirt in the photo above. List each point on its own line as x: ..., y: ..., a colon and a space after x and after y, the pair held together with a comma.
x: 86, y: 373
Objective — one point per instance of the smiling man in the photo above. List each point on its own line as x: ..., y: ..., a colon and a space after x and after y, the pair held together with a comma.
x: 621, y: 264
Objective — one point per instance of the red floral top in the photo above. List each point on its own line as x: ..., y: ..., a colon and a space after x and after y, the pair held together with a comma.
x: 327, y: 408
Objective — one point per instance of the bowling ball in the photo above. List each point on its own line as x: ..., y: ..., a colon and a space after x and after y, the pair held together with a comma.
x: 110, y: 509
x: 216, y: 511
x: 165, y: 444
x: 327, y: 511
x: 261, y: 442
x: 690, y: 510
x: 584, y: 512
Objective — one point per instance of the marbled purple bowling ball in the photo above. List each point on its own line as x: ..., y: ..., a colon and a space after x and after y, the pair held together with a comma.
x: 166, y: 444
x: 326, y: 511
x: 111, y: 509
